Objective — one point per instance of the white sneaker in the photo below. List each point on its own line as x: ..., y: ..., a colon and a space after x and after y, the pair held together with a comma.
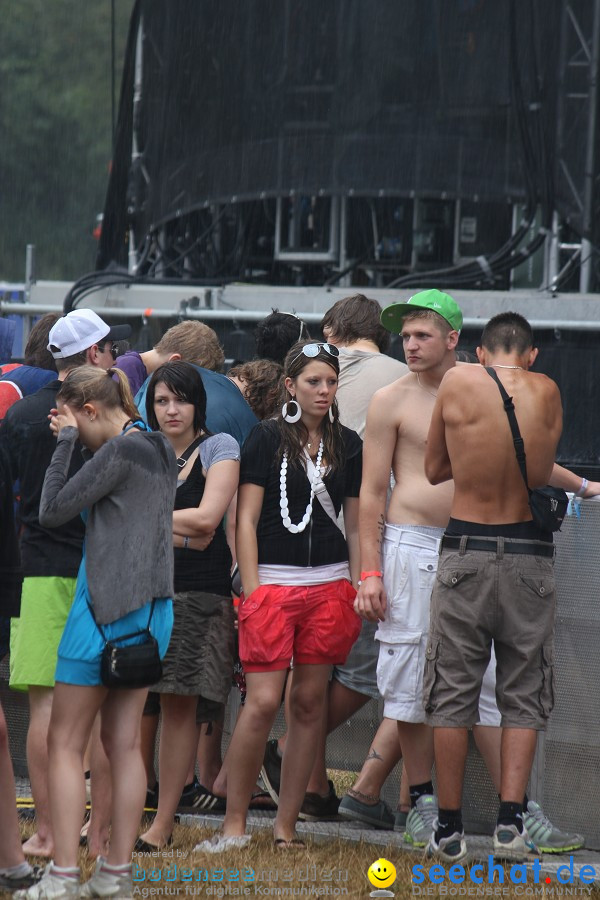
x: 450, y: 849
x: 509, y: 843
x: 108, y: 884
x: 421, y: 820
x: 52, y: 886
x: 220, y: 844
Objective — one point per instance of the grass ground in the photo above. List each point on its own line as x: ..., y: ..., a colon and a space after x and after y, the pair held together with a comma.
x: 333, y: 868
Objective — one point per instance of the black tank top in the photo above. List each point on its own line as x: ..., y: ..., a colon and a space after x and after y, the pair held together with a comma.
x: 201, y: 570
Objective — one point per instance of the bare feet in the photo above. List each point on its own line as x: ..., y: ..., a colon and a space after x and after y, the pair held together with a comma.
x: 35, y: 846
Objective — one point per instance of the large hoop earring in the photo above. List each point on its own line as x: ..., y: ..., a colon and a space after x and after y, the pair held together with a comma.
x: 288, y: 416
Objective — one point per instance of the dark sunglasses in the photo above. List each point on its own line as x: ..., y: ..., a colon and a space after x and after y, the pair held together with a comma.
x: 114, y: 348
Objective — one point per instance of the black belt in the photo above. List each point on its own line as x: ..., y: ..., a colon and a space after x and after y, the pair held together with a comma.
x: 490, y: 545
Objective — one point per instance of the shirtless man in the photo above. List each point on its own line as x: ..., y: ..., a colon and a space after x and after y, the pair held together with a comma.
x: 406, y: 551
x: 495, y: 576
x: 396, y: 432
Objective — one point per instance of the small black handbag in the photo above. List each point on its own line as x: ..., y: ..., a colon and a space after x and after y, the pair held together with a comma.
x: 548, y: 505
x: 132, y: 666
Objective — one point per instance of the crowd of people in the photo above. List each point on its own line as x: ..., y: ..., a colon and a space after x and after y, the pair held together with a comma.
x: 384, y: 545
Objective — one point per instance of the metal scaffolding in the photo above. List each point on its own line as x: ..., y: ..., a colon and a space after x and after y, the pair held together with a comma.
x: 576, y: 134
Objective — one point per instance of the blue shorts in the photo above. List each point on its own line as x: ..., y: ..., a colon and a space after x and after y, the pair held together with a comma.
x: 81, y: 645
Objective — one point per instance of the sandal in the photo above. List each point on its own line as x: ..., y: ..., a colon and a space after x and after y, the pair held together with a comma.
x: 262, y: 800
x: 293, y: 844
x: 142, y: 846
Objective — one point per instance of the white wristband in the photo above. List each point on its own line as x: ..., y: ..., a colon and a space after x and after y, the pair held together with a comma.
x: 583, y: 488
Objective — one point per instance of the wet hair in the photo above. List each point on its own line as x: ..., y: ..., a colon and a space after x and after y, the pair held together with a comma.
x: 508, y: 331
x: 430, y: 315
x: 36, y: 349
x: 90, y: 384
x: 277, y: 333
x: 261, y: 379
x: 466, y: 356
x: 186, y: 382
x: 356, y: 318
x: 294, y: 435
x: 195, y: 342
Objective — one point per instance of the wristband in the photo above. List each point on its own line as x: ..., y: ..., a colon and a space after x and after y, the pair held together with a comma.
x: 373, y: 574
x: 583, y: 488
x: 186, y: 543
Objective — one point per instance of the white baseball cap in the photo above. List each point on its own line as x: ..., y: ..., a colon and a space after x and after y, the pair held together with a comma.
x: 79, y: 329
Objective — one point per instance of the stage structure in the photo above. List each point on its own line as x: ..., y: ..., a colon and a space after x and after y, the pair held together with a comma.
x: 357, y: 142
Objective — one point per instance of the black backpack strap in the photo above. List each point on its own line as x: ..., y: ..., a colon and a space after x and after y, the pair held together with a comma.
x: 509, y: 409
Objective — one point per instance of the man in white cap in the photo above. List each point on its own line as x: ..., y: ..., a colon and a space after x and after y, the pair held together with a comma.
x: 50, y: 557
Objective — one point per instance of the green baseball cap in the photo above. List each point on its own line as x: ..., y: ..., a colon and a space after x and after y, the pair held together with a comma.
x: 392, y: 316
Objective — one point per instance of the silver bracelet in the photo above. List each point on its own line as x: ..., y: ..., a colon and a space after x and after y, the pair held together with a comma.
x: 186, y: 543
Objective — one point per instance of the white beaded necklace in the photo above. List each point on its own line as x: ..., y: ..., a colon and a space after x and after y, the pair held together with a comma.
x: 283, y: 503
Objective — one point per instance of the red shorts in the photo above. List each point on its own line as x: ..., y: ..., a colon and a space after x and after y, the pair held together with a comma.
x: 314, y: 624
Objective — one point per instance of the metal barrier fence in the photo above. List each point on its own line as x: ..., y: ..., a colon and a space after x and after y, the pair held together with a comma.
x: 565, y: 773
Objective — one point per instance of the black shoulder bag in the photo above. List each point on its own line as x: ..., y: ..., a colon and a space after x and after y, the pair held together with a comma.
x: 132, y: 666
x: 549, y: 504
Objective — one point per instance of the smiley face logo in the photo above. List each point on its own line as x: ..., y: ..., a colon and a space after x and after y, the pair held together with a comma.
x: 382, y: 873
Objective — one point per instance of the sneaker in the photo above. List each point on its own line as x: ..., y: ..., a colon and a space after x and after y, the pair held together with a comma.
x: 52, y: 886
x: 546, y: 836
x: 195, y: 798
x: 151, y: 801
x: 271, y: 770
x: 509, y: 843
x: 108, y: 884
x: 420, y: 821
x: 220, y: 844
x: 376, y: 815
x: 400, y: 817
x: 449, y: 849
x: 25, y: 876
x: 320, y: 809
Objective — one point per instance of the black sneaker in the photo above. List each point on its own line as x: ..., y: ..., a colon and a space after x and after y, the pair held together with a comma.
x: 271, y: 770
x: 151, y: 801
x: 197, y: 798
x: 316, y: 808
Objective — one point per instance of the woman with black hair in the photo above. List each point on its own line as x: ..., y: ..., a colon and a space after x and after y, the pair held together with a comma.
x: 199, y: 662
x: 297, y: 570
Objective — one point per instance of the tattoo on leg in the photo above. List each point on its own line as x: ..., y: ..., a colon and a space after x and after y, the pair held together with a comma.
x: 373, y: 754
x: 370, y: 799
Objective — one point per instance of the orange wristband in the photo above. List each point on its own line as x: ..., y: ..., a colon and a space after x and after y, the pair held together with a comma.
x: 374, y: 573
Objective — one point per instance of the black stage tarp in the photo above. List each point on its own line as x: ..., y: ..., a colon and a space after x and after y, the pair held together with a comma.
x: 242, y: 99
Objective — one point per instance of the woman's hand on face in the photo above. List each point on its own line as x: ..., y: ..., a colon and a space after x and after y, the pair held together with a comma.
x: 62, y: 419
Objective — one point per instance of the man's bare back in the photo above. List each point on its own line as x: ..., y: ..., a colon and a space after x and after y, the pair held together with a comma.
x: 469, y: 426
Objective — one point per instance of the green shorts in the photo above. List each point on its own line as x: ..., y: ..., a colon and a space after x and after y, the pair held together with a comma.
x: 36, y: 634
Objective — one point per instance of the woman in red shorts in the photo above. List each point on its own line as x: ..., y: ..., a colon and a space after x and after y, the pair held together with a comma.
x: 297, y: 572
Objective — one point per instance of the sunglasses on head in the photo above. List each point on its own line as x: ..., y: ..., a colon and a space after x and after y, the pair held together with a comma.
x: 312, y: 350
x: 298, y: 319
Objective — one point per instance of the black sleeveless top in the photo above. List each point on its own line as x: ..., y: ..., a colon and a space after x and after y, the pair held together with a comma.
x: 201, y: 570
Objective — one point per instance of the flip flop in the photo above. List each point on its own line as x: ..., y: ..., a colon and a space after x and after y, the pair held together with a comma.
x: 293, y: 844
